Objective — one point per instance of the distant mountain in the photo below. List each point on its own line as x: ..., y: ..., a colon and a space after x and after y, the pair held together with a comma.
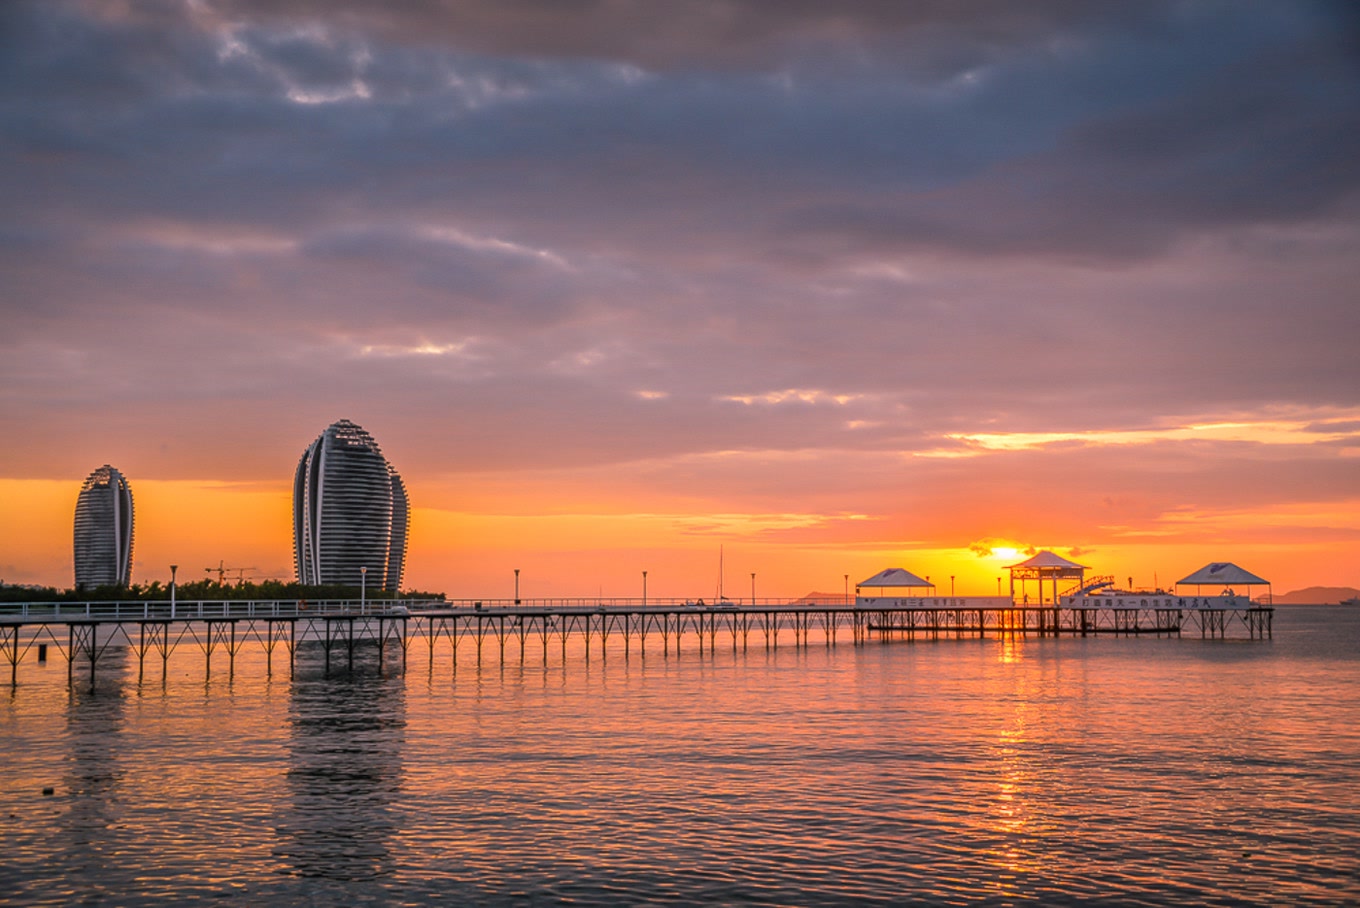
x: 1318, y: 595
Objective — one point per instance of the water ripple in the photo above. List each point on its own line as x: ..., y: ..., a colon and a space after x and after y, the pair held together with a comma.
x: 1130, y: 772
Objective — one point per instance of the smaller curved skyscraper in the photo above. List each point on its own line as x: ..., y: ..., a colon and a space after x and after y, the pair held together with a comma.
x: 349, y: 512
x: 401, y: 519
x: 103, y: 530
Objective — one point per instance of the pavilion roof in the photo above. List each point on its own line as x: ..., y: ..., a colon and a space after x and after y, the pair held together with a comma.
x: 895, y: 577
x: 1224, y: 572
x: 1047, y: 559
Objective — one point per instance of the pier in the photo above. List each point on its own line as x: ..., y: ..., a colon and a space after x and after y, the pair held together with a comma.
x: 81, y: 633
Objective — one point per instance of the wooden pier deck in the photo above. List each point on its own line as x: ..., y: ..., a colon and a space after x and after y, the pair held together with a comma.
x: 82, y: 633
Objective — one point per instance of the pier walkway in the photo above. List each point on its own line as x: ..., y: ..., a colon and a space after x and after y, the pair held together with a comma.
x: 82, y: 633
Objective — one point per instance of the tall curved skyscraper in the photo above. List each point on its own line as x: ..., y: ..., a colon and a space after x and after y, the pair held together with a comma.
x: 349, y: 512
x: 401, y: 519
x: 103, y: 530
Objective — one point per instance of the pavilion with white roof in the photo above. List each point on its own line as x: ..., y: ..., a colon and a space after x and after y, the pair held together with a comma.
x: 1225, y: 575
x: 1045, y: 566
x: 897, y: 578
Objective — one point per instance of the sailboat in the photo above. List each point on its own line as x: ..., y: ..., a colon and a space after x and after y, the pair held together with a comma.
x: 722, y: 601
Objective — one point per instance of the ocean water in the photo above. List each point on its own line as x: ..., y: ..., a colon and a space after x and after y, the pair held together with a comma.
x: 1033, y: 771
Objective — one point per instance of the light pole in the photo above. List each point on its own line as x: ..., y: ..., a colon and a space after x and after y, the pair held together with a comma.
x: 516, y: 586
x: 951, y: 586
x: 998, y: 586
x: 847, y: 587
x: 753, y: 589
x: 644, y: 589
x: 363, y: 590
x: 173, y: 568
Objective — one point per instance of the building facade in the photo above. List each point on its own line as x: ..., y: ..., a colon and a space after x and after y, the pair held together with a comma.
x: 103, y: 530
x: 350, y: 512
x: 401, y: 518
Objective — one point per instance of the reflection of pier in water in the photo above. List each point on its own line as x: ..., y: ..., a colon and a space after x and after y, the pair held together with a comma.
x: 152, y: 632
x: 345, y: 769
x: 90, y: 809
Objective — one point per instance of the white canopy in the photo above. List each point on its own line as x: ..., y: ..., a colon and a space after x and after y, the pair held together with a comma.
x: 1045, y: 566
x: 895, y: 577
x: 1048, y: 560
x: 1222, y: 572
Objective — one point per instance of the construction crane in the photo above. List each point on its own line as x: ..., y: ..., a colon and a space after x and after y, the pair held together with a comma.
x: 222, y: 570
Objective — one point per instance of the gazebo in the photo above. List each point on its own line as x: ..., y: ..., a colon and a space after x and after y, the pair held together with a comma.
x: 894, y: 578
x: 1226, y: 575
x: 1045, y: 566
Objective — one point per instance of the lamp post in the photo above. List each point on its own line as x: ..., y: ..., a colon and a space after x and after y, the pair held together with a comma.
x: 998, y: 586
x: 753, y: 589
x: 847, y: 587
x: 951, y: 586
x: 644, y: 589
x: 516, y: 586
x: 363, y: 590
x: 173, y: 569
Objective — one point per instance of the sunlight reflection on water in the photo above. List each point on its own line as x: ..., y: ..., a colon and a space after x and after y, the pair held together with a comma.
x: 991, y: 772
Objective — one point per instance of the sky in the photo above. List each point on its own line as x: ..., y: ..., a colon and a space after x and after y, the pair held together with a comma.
x: 809, y: 289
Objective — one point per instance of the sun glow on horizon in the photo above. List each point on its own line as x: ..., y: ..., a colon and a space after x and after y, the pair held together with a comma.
x: 575, y: 533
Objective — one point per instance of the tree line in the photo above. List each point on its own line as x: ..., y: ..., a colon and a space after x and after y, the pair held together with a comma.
x: 206, y: 589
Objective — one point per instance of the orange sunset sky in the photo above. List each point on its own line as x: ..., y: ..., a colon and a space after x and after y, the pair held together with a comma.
x: 617, y: 285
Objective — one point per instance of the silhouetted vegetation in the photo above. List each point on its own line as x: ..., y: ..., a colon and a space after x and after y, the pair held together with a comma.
x: 201, y: 590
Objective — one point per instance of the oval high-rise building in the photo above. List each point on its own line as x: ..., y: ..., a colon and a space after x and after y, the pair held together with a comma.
x: 103, y: 530
x: 349, y: 512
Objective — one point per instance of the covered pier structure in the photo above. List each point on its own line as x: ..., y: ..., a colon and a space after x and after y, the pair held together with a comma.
x: 82, y: 633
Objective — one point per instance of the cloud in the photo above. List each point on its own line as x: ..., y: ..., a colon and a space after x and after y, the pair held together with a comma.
x: 799, y: 253
x: 707, y: 33
x: 1175, y: 123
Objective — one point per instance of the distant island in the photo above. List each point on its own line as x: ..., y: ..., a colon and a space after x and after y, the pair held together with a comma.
x: 1320, y: 595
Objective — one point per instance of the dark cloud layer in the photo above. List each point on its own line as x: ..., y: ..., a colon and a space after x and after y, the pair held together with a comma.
x: 644, y: 228
x: 705, y: 33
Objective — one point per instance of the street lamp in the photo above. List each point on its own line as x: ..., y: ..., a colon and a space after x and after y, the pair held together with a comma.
x: 173, y: 568
x: 516, y: 586
x: 363, y: 590
x: 847, y: 587
x: 753, y: 589
x: 951, y: 586
x: 998, y: 586
x: 644, y: 589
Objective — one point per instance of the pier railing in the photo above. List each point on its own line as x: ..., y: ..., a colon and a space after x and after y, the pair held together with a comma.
x: 152, y: 631
x: 190, y: 609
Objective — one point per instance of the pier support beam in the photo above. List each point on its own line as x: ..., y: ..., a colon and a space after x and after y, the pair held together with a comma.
x: 9, y: 644
x: 83, y: 638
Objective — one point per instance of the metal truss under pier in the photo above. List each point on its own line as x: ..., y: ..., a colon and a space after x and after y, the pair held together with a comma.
x: 934, y: 623
x: 83, y: 642
x: 527, y: 631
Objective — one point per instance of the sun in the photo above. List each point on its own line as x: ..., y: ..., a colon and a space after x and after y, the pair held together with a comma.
x: 1004, y: 552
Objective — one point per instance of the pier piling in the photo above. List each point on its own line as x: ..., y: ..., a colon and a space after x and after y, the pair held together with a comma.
x: 215, y: 627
